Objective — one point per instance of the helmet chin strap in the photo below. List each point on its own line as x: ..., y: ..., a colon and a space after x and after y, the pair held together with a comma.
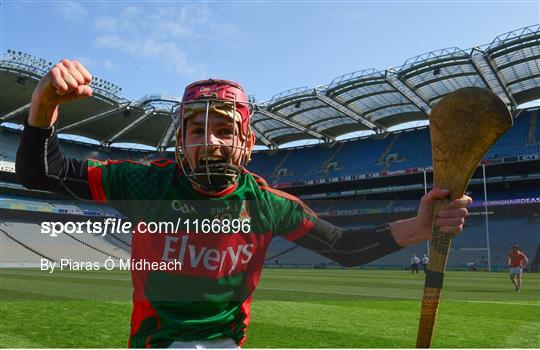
x: 215, y: 177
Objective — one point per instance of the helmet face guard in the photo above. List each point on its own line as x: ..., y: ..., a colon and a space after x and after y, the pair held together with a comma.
x: 204, y: 100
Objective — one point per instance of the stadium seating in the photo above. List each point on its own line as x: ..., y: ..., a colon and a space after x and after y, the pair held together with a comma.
x: 302, y: 164
x: 31, y: 245
x: 396, y: 151
x: 13, y: 252
x: 514, y: 142
x: 9, y: 142
x: 537, y: 130
x: 66, y: 205
x: 469, y: 247
x: 23, y: 243
x: 400, y: 150
x: 359, y: 157
x: 413, y: 149
x: 267, y: 162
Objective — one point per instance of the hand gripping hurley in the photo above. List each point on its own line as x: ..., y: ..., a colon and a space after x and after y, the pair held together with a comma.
x: 463, y: 127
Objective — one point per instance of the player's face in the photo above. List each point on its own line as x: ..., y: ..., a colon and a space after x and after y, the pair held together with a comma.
x: 223, y: 138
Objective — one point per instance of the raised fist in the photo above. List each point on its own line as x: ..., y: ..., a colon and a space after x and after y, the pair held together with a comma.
x: 67, y: 81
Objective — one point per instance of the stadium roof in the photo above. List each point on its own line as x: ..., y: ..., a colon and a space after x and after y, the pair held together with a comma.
x: 367, y: 100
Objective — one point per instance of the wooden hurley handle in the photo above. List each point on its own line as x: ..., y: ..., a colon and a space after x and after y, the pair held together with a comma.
x: 439, y: 248
x: 463, y: 127
x: 428, y: 316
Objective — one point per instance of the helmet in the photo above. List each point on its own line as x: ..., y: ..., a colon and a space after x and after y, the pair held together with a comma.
x: 221, y: 97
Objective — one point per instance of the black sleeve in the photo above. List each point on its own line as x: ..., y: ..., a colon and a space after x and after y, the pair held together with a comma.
x: 349, y: 247
x: 41, y: 165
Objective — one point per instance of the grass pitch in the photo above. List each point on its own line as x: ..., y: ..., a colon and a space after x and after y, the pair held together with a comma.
x: 292, y: 308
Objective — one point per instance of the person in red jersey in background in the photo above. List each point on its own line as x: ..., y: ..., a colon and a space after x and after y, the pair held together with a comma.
x: 517, y: 262
x: 207, y: 303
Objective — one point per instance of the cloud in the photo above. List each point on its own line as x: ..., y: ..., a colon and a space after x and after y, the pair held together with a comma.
x: 112, y: 41
x: 131, y: 12
x: 89, y: 63
x: 159, y: 34
x: 109, y: 65
x: 71, y: 11
x: 86, y: 61
x: 106, y: 23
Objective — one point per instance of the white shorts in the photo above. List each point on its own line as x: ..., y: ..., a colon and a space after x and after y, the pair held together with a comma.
x: 225, y: 343
x: 516, y: 270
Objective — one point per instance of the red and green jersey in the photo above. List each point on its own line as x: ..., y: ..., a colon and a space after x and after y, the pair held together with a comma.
x: 209, y: 297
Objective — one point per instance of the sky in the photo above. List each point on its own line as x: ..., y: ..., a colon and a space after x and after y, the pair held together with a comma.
x: 268, y: 46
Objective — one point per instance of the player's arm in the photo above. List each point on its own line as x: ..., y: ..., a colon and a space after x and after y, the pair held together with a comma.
x: 40, y: 163
x: 350, y: 247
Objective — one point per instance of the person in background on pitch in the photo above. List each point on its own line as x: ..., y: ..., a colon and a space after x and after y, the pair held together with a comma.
x: 425, y: 262
x: 207, y: 303
x: 517, y: 261
x: 414, y: 263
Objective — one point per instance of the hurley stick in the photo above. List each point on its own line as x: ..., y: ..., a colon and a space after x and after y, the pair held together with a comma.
x: 463, y: 127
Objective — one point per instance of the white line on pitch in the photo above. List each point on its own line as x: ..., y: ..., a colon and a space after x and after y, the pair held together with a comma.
x: 296, y: 290
x: 390, y: 296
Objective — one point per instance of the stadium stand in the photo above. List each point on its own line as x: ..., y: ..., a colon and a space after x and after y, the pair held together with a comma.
x: 358, y: 157
x: 9, y: 142
x: 366, y: 100
x: 401, y: 150
x: 515, y: 143
x: 507, y: 226
x: 13, y: 252
x: 412, y: 149
x: 27, y: 244
x: 56, y: 205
